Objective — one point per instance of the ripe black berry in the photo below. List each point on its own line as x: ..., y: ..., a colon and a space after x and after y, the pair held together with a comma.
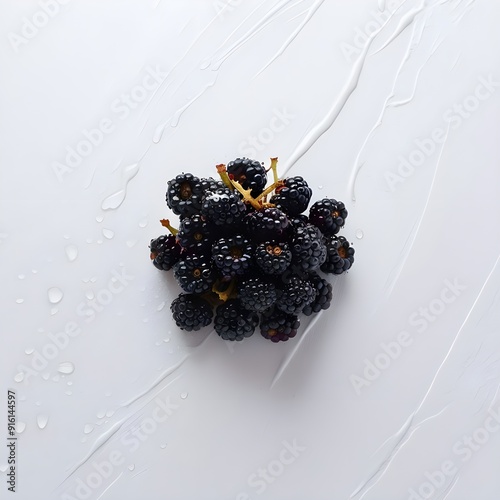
x: 234, y: 322
x: 269, y: 224
x: 257, y: 293
x: 191, y: 312
x: 323, y: 297
x: 195, y: 274
x: 340, y: 256
x: 232, y: 256
x: 308, y: 248
x: 249, y: 173
x: 195, y: 235
x: 184, y: 194
x: 295, y: 295
x: 328, y: 215
x: 223, y: 207
x: 165, y: 252
x: 273, y: 258
x: 279, y: 326
x: 293, y: 197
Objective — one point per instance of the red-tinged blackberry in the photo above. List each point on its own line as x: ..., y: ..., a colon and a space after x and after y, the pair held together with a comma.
x: 234, y: 322
x: 268, y: 224
x: 323, y: 297
x: 195, y: 274
x: 184, y: 194
x: 165, y: 252
x: 328, y: 215
x: 273, y: 258
x: 232, y: 256
x: 279, y: 326
x: 293, y: 196
x: 308, y: 248
x: 223, y: 207
x: 257, y: 293
x: 195, y: 235
x: 249, y: 173
x: 340, y: 255
x: 191, y: 312
x: 295, y: 295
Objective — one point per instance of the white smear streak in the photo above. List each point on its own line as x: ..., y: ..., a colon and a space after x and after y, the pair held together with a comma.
x: 114, y: 200
x: 114, y: 481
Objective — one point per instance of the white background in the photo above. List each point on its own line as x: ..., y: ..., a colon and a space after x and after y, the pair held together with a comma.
x: 351, y: 95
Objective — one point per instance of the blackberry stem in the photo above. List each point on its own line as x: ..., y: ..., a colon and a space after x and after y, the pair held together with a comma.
x: 274, y: 167
x: 270, y: 189
x: 226, y: 294
x: 166, y: 223
x: 221, y: 170
x: 246, y: 194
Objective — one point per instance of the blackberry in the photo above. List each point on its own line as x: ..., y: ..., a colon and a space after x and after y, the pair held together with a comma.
x: 340, y: 255
x: 232, y: 256
x: 195, y: 235
x: 323, y: 295
x: 184, y: 194
x: 234, y: 322
x: 293, y: 196
x: 295, y: 295
x: 273, y: 258
x: 165, y: 252
x: 257, y: 294
x: 195, y: 274
x: 279, y: 326
x: 328, y: 215
x: 308, y: 249
x: 268, y: 224
x: 223, y: 207
x: 249, y: 173
x: 191, y: 312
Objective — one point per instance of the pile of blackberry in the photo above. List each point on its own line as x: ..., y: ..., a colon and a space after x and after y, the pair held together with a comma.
x: 245, y: 252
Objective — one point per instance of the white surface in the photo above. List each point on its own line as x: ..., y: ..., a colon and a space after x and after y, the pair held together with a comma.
x: 353, y: 87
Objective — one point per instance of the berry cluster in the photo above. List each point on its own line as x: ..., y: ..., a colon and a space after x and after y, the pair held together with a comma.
x: 249, y: 252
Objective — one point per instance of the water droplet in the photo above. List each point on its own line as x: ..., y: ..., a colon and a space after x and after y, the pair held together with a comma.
x: 110, y: 413
x: 101, y: 413
x: 184, y: 395
x: 359, y: 234
x: 21, y: 276
x: 107, y: 233
x: 114, y: 200
x: 29, y: 350
x: 161, y: 306
x: 167, y: 339
x: 99, y: 242
x: 163, y: 446
x: 89, y: 241
x: 157, y: 342
x: 131, y: 467
x: 66, y: 236
x: 143, y: 223
x: 66, y: 367
x: 89, y: 294
x: 19, y: 377
x: 19, y: 301
x: 320, y: 187
x: 68, y: 392
x: 69, y: 382
x: 99, y: 218
x: 20, y: 426
x: 55, y: 295
x: 71, y: 252
x: 93, y: 279
x: 42, y: 421
x: 53, y: 311
x: 88, y: 429
x: 38, y: 403
x: 46, y: 376
x: 131, y: 243
x: 34, y: 271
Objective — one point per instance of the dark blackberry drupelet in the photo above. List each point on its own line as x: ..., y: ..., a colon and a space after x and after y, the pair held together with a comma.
x: 191, y: 312
x: 293, y: 197
x: 223, y: 207
x: 323, y: 297
x: 294, y: 295
x: 165, y: 252
x: 234, y: 322
x: 268, y: 224
x: 232, y: 256
x: 273, y: 258
x: 340, y: 255
x: 184, y: 194
x: 249, y: 173
x: 257, y: 293
x: 195, y: 274
x: 328, y: 215
x: 195, y: 235
x: 308, y: 248
x: 279, y: 326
